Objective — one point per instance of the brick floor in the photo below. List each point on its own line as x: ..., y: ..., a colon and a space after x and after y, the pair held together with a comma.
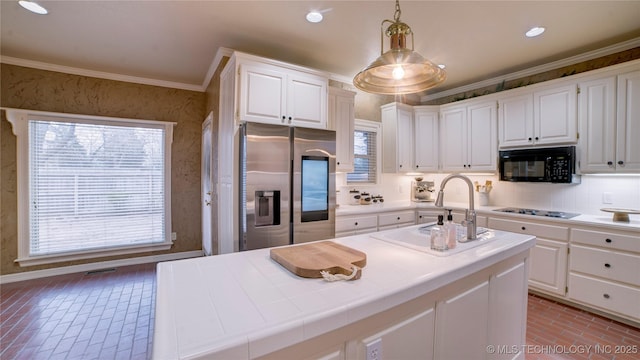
x: 107, y: 315
x: 110, y: 315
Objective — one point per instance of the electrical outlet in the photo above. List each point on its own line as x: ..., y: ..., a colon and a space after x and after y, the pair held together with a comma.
x: 374, y: 350
x: 607, y: 198
x: 174, y: 236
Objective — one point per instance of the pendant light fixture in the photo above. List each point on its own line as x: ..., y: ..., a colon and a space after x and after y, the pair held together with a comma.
x: 399, y: 70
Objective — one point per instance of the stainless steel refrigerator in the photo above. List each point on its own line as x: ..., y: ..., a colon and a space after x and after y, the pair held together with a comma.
x: 287, y: 185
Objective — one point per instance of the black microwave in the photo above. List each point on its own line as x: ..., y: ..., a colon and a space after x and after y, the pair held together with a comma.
x: 554, y: 165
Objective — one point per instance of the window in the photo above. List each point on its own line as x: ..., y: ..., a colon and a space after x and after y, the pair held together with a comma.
x: 366, y: 138
x: 91, y: 186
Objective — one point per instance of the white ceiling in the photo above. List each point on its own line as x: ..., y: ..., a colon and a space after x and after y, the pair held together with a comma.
x: 176, y: 41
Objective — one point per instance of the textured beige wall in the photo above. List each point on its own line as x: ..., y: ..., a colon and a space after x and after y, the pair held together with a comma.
x: 33, y: 89
x: 598, y: 63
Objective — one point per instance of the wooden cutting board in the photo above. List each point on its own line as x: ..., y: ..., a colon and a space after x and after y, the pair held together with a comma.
x: 308, y: 260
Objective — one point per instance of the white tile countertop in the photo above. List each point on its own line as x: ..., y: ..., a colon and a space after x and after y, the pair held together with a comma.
x: 601, y: 220
x: 245, y: 305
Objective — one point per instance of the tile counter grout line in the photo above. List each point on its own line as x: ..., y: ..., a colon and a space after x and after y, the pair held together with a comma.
x: 111, y: 315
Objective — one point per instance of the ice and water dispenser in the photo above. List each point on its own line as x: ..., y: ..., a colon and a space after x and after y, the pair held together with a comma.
x: 267, y: 210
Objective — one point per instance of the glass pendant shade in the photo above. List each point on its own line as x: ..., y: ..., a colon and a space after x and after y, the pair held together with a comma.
x: 399, y: 70
x: 419, y: 74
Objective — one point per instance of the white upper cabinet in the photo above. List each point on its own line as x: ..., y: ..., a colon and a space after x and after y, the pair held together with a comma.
x: 453, y: 147
x: 609, y: 128
x: 468, y: 137
x: 628, y: 122
x: 548, y: 116
x: 482, y: 120
x: 515, y: 120
x: 554, y: 115
x: 597, y: 116
x: 278, y: 95
x: 341, y: 119
x: 397, y: 138
x: 425, y: 124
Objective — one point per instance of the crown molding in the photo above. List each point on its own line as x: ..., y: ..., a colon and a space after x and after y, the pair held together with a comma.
x: 612, y: 49
x: 98, y: 74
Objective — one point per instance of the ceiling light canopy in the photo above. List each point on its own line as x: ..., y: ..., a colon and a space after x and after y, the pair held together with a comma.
x: 33, y: 7
x: 314, y: 16
x: 535, y: 31
x: 399, y: 70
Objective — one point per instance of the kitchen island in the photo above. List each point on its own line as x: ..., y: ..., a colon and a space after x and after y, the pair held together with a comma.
x: 408, y: 304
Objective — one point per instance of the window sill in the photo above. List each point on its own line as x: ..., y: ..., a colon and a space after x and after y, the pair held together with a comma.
x: 91, y: 254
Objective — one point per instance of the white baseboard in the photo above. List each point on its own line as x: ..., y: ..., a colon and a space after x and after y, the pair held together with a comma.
x: 36, y: 274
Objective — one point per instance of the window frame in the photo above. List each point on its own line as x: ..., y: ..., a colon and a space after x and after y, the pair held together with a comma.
x: 19, y: 120
x: 371, y: 126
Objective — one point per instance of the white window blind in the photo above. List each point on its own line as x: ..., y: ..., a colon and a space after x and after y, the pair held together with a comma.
x: 94, y: 186
x: 365, y: 161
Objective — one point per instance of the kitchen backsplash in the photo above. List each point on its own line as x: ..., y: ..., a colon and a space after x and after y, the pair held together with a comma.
x: 588, y: 197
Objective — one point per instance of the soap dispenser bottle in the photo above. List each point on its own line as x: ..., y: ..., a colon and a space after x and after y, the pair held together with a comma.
x: 438, y: 235
x: 451, y: 232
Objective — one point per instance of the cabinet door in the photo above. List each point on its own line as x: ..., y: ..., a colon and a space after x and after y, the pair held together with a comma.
x: 306, y: 100
x: 554, y: 115
x: 596, y: 115
x: 262, y: 93
x: 515, y: 121
x: 453, y: 147
x: 461, y: 325
x: 548, y: 266
x: 628, y: 123
x: 507, y: 311
x: 405, y: 140
x: 428, y: 216
x: 397, y: 138
x: 409, y: 339
x: 482, y: 138
x: 425, y: 140
x: 341, y: 119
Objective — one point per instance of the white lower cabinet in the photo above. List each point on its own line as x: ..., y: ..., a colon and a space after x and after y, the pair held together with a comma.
x: 508, y: 298
x: 428, y: 216
x: 396, y: 219
x: 356, y: 224
x: 362, y: 224
x: 548, y: 265
x: 463, y: 319
x: 409, y: 339
x: 604, y: 271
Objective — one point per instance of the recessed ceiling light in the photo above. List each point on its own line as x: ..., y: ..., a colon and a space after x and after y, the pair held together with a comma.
x: 442, y: 66
x: 535, y: 31
x: 33, y: 7
x: 314, y: 17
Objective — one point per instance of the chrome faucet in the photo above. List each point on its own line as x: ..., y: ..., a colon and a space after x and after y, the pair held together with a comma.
x: 470, y: 213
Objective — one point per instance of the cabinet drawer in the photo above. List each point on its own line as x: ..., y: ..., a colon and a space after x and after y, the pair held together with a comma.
x: 606, y: 295
x: 396, y: 218
x: 606, y: 240
x: 356, y: 223
x: 607, y: 264
x: 522, y: 227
